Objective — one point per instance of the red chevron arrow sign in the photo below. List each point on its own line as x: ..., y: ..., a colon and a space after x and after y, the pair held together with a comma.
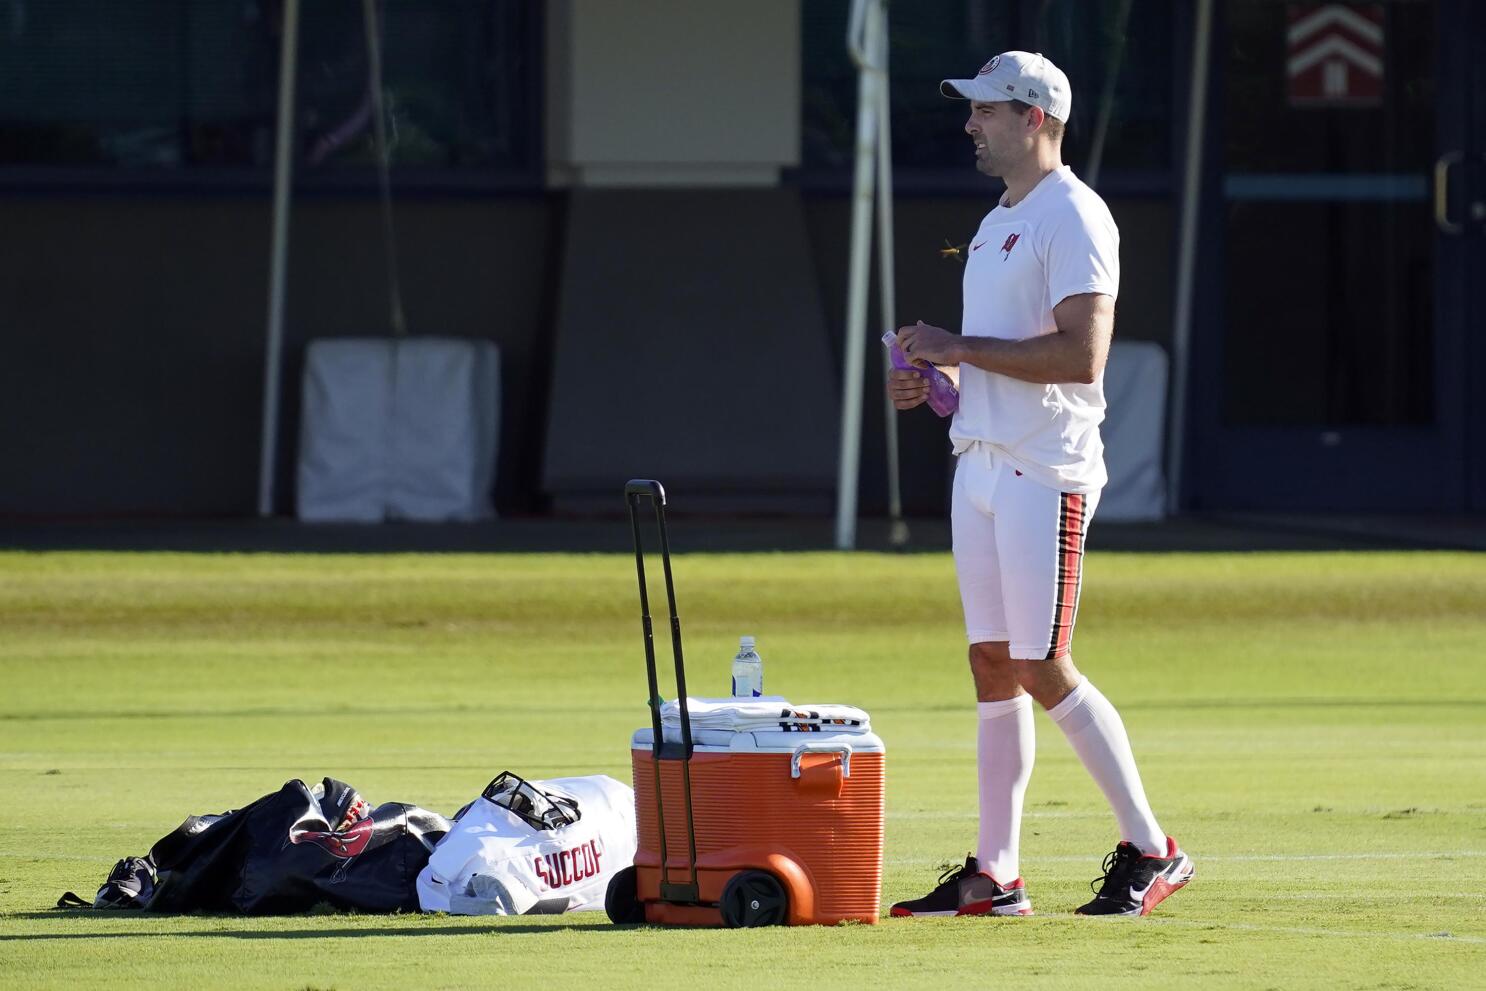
x: 1335, y: 54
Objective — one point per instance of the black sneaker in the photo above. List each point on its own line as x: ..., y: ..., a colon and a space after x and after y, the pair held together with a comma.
x: 968, y: 891
x: 1134, y: 882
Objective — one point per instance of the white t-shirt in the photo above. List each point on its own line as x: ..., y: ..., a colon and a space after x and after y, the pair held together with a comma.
x: 1059, y: 241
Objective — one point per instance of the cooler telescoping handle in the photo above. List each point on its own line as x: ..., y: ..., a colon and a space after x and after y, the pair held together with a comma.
x: 635, y: 490
x: 646, y: 486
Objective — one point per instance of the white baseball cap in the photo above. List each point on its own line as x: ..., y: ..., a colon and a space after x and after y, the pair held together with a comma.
x: 1024, y: 76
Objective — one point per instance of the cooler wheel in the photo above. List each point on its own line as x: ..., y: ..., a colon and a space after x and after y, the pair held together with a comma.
x: 753, y: 898
x: 622, y: 900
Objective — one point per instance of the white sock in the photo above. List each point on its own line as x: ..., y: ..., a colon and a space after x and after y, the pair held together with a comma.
x: 1005, y: 747
x: 1098, y: 736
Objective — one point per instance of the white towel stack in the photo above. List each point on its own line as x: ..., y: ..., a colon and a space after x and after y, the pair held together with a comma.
x: 767, y: 713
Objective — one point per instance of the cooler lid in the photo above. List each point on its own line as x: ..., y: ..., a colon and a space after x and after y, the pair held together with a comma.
x: 770, y: 712
x: 760, y: 741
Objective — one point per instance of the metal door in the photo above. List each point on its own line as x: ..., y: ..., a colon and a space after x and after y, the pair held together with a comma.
x: 1342, y: 219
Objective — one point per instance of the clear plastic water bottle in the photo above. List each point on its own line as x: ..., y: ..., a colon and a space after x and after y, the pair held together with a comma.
x: 748, y: 671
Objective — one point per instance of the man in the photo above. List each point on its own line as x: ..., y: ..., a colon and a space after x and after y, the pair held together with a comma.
x: 1041, y: 278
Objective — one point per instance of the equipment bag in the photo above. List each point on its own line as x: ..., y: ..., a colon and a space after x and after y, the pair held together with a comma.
x: 532, y: 848
x: 303, y: 846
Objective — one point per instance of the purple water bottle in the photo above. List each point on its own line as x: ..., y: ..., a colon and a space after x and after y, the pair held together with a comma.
x: 944, y: 398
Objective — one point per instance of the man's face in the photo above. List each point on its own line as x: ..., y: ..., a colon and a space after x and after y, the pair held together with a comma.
x: 1001, y: 136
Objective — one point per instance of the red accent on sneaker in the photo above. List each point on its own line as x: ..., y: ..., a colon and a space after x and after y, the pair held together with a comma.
x: 1160, y: 890
x: 1170, y: 851
x: 988, y: 907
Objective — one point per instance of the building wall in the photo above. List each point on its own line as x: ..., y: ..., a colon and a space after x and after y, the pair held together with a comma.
x: 134, y: 332
x: 133, y: 329
x: 133, y: 323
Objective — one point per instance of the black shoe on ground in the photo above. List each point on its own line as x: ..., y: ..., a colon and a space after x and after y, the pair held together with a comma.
x: 968, y: 891
x: 1134, y: 882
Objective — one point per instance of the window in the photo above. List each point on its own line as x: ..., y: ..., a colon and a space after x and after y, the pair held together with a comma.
x: 178, y: 88
x: 1117, y: 54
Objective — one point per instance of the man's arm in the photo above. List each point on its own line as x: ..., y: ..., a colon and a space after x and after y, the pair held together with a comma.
x: 1075, y: 353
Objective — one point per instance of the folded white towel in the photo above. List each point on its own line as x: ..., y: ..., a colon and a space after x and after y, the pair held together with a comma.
x: 769, y: 712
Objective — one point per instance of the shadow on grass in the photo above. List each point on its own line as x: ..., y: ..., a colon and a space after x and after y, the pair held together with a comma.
x: 337, y: 932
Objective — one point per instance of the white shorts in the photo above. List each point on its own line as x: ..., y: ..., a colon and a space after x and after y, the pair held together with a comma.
x: 1019, y: 552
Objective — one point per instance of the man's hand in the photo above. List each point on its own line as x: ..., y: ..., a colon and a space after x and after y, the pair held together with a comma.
x: 933, y: 345
x: 907, y: 389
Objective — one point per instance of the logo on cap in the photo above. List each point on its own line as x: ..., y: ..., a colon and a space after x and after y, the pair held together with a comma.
x: 989, y: 66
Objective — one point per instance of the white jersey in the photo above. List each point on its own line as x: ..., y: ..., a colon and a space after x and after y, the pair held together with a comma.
x: 1059, y: 241
x: 493, y: 863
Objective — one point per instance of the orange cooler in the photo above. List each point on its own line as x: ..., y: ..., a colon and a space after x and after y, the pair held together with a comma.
x: 788, y: 828
x: 744, y: 828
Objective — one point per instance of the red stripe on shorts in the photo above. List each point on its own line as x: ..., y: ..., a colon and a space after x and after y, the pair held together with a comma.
x: 1070, y: 570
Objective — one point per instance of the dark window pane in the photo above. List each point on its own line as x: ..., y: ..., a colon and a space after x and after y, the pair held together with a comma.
x: 177, y: 84
x: 1117, y: 54
x: 90, y: 82
x: 459, y: 83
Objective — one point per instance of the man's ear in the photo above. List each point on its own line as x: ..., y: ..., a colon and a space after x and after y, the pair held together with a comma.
x: 1035, y: 117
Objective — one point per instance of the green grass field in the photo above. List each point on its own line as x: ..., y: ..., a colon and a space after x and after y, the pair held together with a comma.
x: 1312, y: 727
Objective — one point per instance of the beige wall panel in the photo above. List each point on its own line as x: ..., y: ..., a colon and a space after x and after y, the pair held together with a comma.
x: 673, y: 92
